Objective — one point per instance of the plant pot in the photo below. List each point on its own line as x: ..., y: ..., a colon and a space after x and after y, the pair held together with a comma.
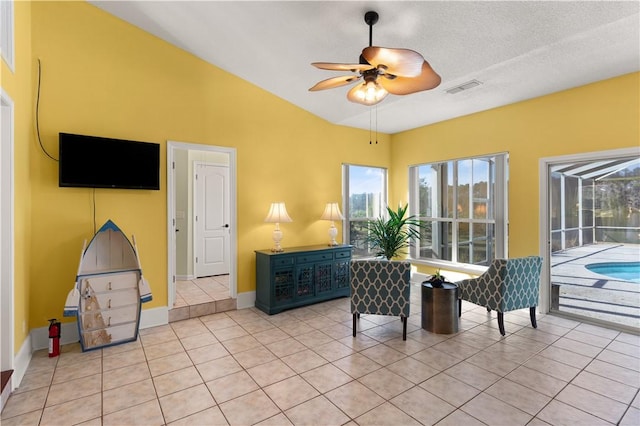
x: 436, y: 281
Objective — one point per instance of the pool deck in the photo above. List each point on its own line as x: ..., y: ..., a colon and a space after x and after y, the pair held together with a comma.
x: 594, y: 295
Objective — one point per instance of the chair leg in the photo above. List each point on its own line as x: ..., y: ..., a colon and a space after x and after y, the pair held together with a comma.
x: 459, y: 308
x: 355, y: 317
x: 532, y: 314
x: 501, y: 322
x: 404, y: 328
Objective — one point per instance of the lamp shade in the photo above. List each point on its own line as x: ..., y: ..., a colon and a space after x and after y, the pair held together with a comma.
x: 332, y: 212
x: 278, y: 214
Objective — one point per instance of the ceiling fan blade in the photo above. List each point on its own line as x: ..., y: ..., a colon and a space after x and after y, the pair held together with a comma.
x: 330, y: 83
x: 342, y: 67
x: 400, y: 62
x: 428, y: 79
x: 353, y: 96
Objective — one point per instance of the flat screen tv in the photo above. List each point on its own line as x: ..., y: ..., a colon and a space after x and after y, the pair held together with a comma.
x: 96, y: 162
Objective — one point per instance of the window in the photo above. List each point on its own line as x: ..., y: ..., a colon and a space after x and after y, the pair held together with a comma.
x: 365, y: 199
x: 6, y: 31
x: 463, y: 204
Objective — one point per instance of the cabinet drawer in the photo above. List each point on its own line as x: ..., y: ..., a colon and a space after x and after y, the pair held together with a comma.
x: 110, y: 282
x: 109, y: 300
x: 306, y: 258
x: 343, y: 254
x: 110, y: 335
x: 92, y: 321
x: 282, y: 261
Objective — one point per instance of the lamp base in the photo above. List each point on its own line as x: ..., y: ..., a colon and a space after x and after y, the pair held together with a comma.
x: 277, y: 237
x: 333, y: 233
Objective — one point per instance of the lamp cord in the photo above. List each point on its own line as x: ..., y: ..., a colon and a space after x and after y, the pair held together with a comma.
x: 38, y: 114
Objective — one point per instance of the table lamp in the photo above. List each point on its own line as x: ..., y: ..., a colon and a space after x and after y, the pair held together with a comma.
x: 277, y: 214
x: 332, y: 213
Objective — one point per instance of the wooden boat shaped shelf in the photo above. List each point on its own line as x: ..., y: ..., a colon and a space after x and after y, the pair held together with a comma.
x: 109, y: 290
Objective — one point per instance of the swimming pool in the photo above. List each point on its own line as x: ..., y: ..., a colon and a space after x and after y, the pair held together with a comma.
x: 627, y: 271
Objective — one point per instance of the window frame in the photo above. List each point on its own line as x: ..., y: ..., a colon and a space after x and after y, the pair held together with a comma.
x: 7, y: 42
x: 500, y: 220
x: 346, y: 202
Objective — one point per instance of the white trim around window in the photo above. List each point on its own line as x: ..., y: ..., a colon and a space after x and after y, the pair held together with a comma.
x: 364, y: 198
x: 7, y: 50
x: 464, y: 204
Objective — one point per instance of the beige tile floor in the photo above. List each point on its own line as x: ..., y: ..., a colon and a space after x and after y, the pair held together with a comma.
x: 200, y: 297
x: 303, y: 367
x: 201, y: 290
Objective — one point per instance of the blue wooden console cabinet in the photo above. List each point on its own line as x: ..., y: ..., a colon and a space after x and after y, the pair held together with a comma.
x: 301, y: 276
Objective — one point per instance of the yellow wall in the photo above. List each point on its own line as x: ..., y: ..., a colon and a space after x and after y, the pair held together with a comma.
x: 104, y: 77
x: 18, y: 85
x: 596, y: 117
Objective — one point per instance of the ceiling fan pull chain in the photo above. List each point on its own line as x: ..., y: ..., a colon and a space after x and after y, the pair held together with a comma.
x: 376, y: 124
x: 370, y: 126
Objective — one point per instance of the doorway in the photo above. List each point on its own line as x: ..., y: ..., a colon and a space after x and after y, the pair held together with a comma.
x: 590, y: 231
x: 201, y: 197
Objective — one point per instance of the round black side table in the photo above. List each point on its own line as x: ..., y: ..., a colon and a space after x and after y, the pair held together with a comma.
x: 440, y: 308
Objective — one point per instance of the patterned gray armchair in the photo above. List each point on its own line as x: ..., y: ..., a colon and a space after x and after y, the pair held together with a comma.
x: 381, y: 287
x: 507, y: 285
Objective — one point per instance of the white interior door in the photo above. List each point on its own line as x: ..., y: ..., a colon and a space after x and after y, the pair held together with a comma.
x: 211, y: 219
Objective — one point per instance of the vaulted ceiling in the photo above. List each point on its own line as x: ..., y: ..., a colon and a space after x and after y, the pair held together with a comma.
x: 517, y: 50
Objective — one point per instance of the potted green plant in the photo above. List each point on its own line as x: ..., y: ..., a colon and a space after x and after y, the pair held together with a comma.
x: 391, y: 235
x: 437, y: 279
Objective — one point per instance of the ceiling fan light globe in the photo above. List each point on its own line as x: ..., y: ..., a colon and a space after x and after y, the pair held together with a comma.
x: 370, y: 91
x: 367, y: 93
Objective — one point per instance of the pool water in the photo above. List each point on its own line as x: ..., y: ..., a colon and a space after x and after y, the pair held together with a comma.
x: 627, y: 271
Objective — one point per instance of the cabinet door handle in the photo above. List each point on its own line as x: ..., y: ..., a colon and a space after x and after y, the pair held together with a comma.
x: 109, y: 304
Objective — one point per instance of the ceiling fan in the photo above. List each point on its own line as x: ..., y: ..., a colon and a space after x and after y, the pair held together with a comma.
x: 382, y: 71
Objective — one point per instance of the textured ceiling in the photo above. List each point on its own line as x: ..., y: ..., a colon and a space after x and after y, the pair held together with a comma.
x: 517, y: 49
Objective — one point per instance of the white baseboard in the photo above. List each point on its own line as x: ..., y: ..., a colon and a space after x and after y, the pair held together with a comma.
x: 154, y: 317
x: 40, y: 336
x: 246, y: 300
x: 69, y: 333
x: 21, y: 363
x: 185, y: 277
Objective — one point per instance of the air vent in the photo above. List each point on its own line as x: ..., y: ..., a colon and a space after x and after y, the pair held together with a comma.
x: 464, y: 86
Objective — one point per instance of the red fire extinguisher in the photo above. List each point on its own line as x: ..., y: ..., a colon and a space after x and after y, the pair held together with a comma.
x: 54, y: 338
